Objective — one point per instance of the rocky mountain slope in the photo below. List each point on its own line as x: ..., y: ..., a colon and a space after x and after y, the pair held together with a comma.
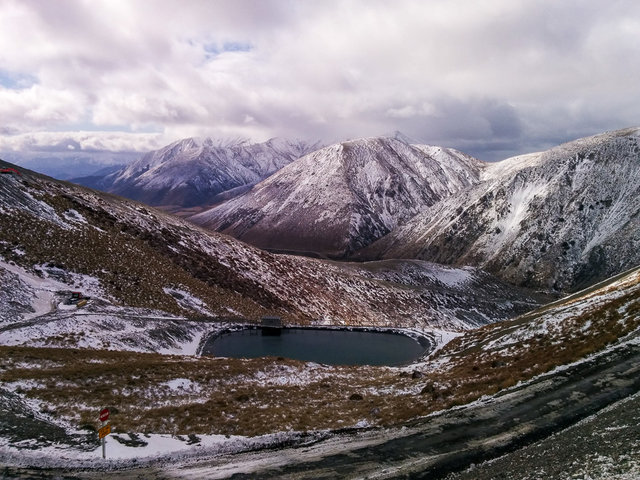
x: 559, y: 219
x: 343, y: 197
x: 194, y: 171
x: 127, y: 254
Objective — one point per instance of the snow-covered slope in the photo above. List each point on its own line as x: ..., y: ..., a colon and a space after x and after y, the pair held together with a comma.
x: 341, y: 198
x: 125, y: 254
x: 558, y: 219
x: 193, y: 171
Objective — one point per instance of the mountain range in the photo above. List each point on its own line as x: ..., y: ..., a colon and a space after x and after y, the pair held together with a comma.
x: 161, y: 284
x: 341, y: 198
x: 555, y: 220
x: 560, y: 219
x: 132, y: 255
x: 195, y: 171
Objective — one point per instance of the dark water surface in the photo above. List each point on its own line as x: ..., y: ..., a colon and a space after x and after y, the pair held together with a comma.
x: 333, y: 347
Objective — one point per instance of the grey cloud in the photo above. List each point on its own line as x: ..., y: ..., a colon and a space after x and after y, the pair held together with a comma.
x: 491, y: 78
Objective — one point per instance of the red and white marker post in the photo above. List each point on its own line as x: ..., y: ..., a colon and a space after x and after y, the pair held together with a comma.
x: 104, y: 430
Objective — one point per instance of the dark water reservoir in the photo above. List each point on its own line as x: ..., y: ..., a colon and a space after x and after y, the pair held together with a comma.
x: 333, y: 347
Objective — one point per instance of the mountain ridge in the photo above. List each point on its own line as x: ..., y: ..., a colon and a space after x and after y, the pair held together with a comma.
x: 557, y: 219
x: 132, y: 255
x: 194, y: 171
x: 339, y: 199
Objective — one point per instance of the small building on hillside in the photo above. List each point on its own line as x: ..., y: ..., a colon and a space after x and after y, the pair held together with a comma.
x: 77, y: 299
x: 271, y: 325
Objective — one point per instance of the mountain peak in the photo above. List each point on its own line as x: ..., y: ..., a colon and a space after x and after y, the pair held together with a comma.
x: 398, y: 135
x: 194, y: 171
x: 340, y: 198
x: 558, y: 219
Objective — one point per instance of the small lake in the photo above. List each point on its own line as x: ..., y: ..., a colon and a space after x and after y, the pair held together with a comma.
x: 332, y: 347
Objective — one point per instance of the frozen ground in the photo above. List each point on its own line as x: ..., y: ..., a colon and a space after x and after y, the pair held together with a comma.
x: 593, y: 403
x: 430, y: 447
x: 33, y: 313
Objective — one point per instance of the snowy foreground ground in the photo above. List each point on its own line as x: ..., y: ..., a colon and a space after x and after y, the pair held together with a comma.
x: 591, y: 400
x: 599, y: 440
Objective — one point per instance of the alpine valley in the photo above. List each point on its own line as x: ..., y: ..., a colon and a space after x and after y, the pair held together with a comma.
x: 520, y: 277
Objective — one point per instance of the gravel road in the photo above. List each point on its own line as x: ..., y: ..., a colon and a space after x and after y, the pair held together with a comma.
x: 603, y: 446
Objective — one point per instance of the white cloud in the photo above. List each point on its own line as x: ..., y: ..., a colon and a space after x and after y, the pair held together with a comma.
x: 88, y: 141
x: 38, y: 106
x: 494, y: 77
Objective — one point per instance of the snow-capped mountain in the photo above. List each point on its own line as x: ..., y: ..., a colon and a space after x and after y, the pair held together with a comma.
x: 341, y: 198
x: 194, y: 171
x: 129, y: 255
x: 558, y: 219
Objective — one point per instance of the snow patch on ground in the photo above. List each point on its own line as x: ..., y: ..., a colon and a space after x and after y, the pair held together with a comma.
x: 49, y: 283
x: 182, y: 384
x: 453, y: 277
x: 74, y: 216
x: 119, y: 447
x: 188, y: 301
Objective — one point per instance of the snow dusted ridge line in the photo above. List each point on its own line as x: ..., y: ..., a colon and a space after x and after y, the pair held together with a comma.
x: 149, y: 259
x: 557, y: 220
x: 198, y: 171
x: 339, y: 199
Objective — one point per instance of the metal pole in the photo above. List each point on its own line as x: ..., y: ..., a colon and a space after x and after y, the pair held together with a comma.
x: 104, y: 448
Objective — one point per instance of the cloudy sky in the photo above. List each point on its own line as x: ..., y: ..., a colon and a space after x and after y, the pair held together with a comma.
x: 493, y: 78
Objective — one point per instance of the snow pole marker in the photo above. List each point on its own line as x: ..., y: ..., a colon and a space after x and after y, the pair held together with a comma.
x: 104, y: 430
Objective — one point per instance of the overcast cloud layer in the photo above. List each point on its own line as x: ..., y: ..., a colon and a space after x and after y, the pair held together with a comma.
x: 491, y: 78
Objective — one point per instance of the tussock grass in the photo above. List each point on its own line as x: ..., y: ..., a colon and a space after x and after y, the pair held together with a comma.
x: 259, y: 396
x: 76, y: 384
x: 134, y: 264
x: 477, y: 368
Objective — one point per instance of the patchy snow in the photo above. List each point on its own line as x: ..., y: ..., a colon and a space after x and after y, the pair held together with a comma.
x: 182, y: 384
x: 188, y: 301
x: 148, y: 447
x: 74, y: 216
x: 43, y: 302
x: 201, y: 168
x: 348, y: 194
x: 519, y: 204
x: 279, y: 375
x: 46, y: 289
x: 175, y: 449
x: 549, y: 220
x: 567, y: 309
x: 129, y: 329
x: 453, y: 276
x: 498, y: 170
